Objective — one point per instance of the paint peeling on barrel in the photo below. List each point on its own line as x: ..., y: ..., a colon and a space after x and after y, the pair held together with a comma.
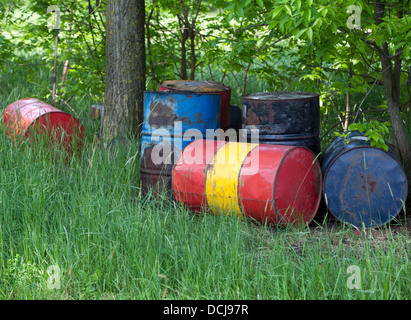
x: 205, y: 87
x: 168, y: 116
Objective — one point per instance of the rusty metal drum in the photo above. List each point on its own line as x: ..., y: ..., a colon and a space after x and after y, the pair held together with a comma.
x: 206, y: 87
x: 363, y: 186
x: 284, y: 118
x: 171, y: 121
x: 30, y: 117
x: 268, y: 183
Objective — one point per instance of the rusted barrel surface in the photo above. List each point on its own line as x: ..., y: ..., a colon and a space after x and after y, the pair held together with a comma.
x: 206, y: 87
x: 288, y: 118
x: 171, y: 121
x: 29, y: 117
x: 269, y: 183
x: 363, y: 186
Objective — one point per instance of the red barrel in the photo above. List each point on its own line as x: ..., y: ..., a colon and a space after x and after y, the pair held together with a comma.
x: 188, y: 179
x: 29, y: 117
x: 270, y: 183
x: 210, y: 87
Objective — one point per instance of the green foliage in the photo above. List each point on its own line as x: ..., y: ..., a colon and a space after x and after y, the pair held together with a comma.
x: 22, y: 276
x: 375, y: 132
x: 80, y: 41
x: 256, y: 45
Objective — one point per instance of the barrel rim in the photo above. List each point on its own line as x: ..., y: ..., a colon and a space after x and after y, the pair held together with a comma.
x: 185, y: 92
x: 314, y: 163
x: 224, y: 87
x: 248, y: 97
x: 351, y: 149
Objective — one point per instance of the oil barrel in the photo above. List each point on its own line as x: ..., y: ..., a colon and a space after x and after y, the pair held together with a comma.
x: 283, y: 118
x: 208, y: 87
x: 273, y: 184
x: 30, y: 117
x: 188, y: 176
x: 363, y: 186
x: 172, y: 119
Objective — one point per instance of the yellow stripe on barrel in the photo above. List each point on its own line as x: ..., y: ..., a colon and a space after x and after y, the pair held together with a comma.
x: 222, y: 177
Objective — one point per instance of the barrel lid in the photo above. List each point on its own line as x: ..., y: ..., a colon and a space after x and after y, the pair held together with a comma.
x: 280, y: 95
x: 365, y: 186
x: 194, y: 86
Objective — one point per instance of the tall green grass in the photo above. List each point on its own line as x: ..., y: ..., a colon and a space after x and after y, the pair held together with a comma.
x: 87, y: 217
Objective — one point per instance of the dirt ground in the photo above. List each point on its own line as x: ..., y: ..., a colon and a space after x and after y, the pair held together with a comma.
x: 401, y: 224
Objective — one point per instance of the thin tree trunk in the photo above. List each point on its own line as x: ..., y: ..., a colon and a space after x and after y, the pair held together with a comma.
x: 391, y: 81
x: 348, y: 100
x: 192, y: 53
x: 149, y: 51
x: 184, y: 38
x: 125, y: 68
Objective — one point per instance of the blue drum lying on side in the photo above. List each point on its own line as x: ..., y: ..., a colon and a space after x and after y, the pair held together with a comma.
x: 362, y: 185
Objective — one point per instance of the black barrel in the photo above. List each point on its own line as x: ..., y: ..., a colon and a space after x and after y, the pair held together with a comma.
x: 288, y: 118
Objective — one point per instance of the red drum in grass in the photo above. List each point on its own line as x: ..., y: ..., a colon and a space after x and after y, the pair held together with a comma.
x: 270, y: 183
x: 287, y: 187
x: 28, y: 117
x: 189, y: 178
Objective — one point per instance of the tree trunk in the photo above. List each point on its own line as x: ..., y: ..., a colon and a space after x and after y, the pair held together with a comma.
x: 391, y: 93
x: 184, y: 38
x: 391, y: 81
x: 125, y: 69
x: 192, y: 53
x: 348, y: 98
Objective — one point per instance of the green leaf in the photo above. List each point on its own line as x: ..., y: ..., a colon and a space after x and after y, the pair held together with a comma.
x: 323, y: 11
x: 398, y: 45
x: 307, y: 14
x: 310, y: 34
x: 276, y: 12
x: 239, y: 10
x: 260, y: 3
x: 283, y: 21
x: 406, y: 51
x: 317, y: 21
x: 288, y: 8
x: 299, y: 33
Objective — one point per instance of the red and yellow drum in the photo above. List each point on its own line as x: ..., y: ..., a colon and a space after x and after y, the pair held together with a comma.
x: 269, y: 183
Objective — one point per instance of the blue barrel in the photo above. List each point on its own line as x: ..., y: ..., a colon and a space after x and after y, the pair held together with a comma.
x: 172, y: 120
x: 362, y: 185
